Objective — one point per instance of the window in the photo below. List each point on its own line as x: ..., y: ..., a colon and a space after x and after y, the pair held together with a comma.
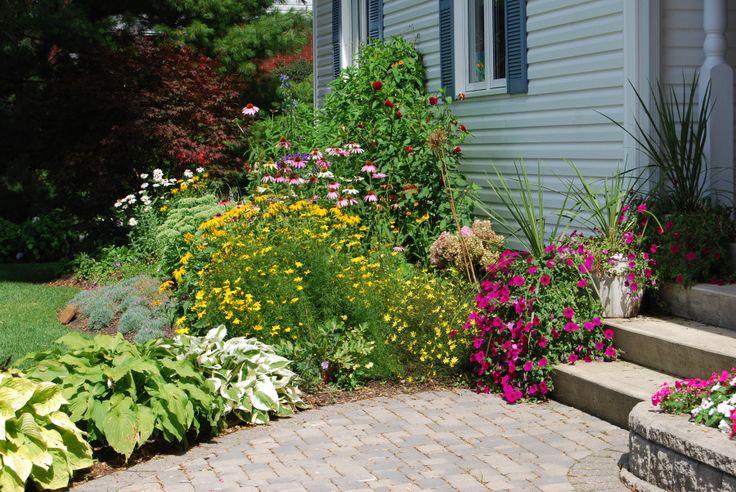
x: 480, y: 34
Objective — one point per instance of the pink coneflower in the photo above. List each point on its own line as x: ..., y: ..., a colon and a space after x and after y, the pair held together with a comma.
x: 369, y: 167
x: 399, y: 249
x: 334, y: 185
x: 353, y: 148
x: 336, y: 151
x: 323, y: 163
x: 295, y: 179
x: 267, y: 178
x: 315, y: 155
x: 250, y: 109
x: 370, y: 196
x: 280, y: 178
x: 332, y: 195
x: 297, y: 162
x: 283, y: 143
x: 342, y: 202
x: 378, y: 176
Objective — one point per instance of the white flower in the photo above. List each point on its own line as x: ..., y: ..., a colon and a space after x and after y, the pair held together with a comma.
x: 200, y: 170
x: 117, y: 204
x: 188, y: 173
x: 724, y: 408
x: 158, y: 174
x: 35, y: 219
x: 156, y: 185
x: 250, y: 109
x: 132, y: 222
x: 144, y: 186
x: 144, y: 176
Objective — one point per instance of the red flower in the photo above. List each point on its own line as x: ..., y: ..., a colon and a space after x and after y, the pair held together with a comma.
x: 544, y: 280
x: 433, y: 100
x: 388, y: 103
x: 409, y: 149
x: 398, y: 115
x: 679, y: 279
x: 377, y: 85
x: 675, y: 248
x: 462, y: 128
x: 691, y: 255
x: 456, y: 149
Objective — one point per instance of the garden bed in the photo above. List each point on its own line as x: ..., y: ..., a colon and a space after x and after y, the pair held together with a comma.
x: 667, y: 452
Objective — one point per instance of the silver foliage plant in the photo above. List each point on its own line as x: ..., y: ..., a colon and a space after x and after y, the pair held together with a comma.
x: 247, y: 374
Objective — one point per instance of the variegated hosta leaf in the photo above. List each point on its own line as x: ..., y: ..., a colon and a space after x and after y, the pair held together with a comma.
x: 248, y: 374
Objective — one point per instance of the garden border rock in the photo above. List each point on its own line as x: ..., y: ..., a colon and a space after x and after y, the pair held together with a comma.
x: 668, y: 452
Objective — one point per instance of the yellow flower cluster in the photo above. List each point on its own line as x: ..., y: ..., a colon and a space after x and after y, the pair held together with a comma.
x: 246, y: 267
x: 427, y: 320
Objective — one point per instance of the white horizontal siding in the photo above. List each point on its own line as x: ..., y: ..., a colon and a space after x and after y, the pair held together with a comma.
x: 323, y: 69
x: 576, y: 76
x: 416, y: 21
x: 682, y: 37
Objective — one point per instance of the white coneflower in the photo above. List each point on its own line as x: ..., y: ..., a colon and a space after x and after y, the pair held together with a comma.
x: 353, y: 148
x: 132, y: 222
x: 188, y: 173
x: 315, y: 155
x: 250, y: 109
x: 351, y: 191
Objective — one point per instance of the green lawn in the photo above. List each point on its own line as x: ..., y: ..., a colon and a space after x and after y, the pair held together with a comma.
x: 27, y: 310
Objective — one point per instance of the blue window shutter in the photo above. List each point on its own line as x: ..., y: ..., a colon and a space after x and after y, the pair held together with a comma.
x: 516, y: 65
x: 336, y: 28
x: 375, y: 19
x: 447, y: 50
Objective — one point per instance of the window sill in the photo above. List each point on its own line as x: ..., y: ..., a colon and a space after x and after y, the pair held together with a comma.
x: 472, y: 94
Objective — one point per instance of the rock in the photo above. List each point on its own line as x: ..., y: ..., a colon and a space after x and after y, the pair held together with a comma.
x: 68, y: 314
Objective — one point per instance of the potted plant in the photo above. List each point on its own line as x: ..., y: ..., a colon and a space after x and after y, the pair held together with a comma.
x: 624, y: 262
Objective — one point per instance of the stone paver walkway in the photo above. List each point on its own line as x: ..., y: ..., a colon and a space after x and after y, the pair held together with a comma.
x: 448, y: 440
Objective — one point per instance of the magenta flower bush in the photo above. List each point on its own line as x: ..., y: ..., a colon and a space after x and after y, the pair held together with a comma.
x: 533, y: 313
x: 710, y: 402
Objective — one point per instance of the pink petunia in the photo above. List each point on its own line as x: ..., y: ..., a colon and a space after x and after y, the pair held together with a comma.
x: 568, y: 312
x: 608, y: 334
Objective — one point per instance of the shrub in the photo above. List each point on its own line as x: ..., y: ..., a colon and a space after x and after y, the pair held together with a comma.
x: 137, y: 301
x: 710, y: 402
x: 9, y: 240
x: 692, y: 246
x: 471, y: 247
x: 331, y: 353
x: 380, y: 116
x: 424, y: 311
x: 123, y: 394
x: 247, y: 374
x: 531, y: 314
x: 113, y: 264
x: 50, y: 236
x: 39, y: 444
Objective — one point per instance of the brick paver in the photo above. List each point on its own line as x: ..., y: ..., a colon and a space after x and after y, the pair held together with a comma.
x: 447, y: 440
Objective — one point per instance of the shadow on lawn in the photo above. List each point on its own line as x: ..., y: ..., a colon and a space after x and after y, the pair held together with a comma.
x: 29, y: 272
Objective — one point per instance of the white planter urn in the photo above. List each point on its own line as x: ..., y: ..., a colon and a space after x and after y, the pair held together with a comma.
x: 617, y: 299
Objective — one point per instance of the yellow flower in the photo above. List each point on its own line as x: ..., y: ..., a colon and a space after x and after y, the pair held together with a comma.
x: 165, y: 286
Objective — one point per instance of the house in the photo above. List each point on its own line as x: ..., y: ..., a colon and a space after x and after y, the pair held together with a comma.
x: 538, y: 75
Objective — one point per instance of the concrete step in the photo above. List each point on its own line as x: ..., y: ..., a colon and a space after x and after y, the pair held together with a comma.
x: 685, y: 348
x: 711, y: 304
x: 607, y: 390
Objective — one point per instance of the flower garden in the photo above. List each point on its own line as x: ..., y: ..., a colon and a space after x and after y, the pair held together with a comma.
x: 344, y: 251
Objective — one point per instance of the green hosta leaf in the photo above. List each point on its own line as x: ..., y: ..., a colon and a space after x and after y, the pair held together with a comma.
x: 146, y: 424
x: 121, y: 429
x: 10, y: 482
x: 57, y: 475
x: 19, y: 462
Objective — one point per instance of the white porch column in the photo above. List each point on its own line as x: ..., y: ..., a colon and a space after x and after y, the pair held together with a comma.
x: 715, y: 70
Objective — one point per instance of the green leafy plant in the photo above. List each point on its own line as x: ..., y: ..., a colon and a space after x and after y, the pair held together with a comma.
x: 136, y: 303
x: 9, y: 240
x: 111, y: 264
x: 675, y: 146
x: 529, y: 224
x: 693, y: 246
x: 123, y: 394
x: 39, y: 444
x: 248, y: 375
x: 333, y: 353
x: 50, y: 236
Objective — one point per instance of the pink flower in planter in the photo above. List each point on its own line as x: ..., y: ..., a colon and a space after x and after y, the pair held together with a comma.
x: 543, y: 387
x: 599, y: 346
x: 572, y: 358
x: 528, y: 366
x: 542, y: 362
x: 610, y: 352
x: 608, y: 334
x: 582, y: 283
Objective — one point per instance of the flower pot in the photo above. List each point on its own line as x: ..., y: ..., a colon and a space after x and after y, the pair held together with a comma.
x: 617, y: 299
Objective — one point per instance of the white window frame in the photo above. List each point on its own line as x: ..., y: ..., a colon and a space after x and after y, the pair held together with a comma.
x: 350, y: 41
x: 462, y: 52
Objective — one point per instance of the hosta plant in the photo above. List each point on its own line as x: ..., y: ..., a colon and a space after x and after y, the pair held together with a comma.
x: 123, y: 394
x: 248, y: 375
x: 39, y: 444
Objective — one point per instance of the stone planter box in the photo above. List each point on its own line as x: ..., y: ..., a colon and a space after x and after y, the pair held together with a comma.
x: 666, y: 452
